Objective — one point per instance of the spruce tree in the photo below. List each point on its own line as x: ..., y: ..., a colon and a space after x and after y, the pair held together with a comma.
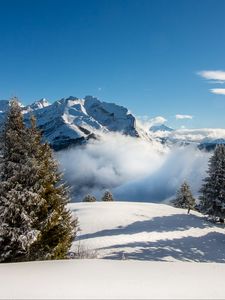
x: 89, y: 198
x: 107, y: 196
x: 34, y: 221
x: 184, y: 198
x: 212, y: 199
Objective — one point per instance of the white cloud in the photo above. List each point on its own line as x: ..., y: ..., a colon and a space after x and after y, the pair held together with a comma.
x: 182, y: 117
x: 158, y: 120
x: 179, y: 164
x: 213, y: 75
x: 109, y: 162
x: 132, y: 168
x: 146, y: 122
x: 218, y: 91
x: 194, y: 135
x: 216, y: 81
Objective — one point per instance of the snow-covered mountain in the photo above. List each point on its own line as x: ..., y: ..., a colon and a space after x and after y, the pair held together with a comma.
x: 205, y: 138
x: 162, y: 128
x: 37, y: 105
x: 73, y: 121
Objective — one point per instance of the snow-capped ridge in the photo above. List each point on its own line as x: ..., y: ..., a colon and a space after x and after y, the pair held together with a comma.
x: 204, y: 138
x: 39, y: 104
x: 162, y: 127
x: 72, y: 120
x: 210, y: 145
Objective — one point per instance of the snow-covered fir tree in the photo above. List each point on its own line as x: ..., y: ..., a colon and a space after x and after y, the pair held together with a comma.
x: 212, y: 199
x: 34, y: 221
x: 89, y: 198
x: 107, y: 196
x: 184, y: 198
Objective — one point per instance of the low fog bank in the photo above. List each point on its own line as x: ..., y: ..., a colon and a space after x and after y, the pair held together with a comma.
x: 186, y: 163
x: 131, y: 168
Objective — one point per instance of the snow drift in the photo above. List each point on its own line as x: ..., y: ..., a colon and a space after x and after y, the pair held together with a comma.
x: 105, y: 279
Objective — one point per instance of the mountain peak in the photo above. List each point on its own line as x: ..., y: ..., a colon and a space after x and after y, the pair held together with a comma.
x: 75, y: 120
x: 37, y: 105
x: 162, y: 127
x: 71, y: 98
x: 69, y: 101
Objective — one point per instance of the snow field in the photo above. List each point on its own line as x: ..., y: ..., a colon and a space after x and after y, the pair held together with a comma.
x: 161, y: 246
x: 147, y: 231
x: 111, y: 279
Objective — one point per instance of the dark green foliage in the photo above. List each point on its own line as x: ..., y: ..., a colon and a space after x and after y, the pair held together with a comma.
x: 212, y: 199
x: 34, y: 221
x: 184, y: 198
x: 89, y: 198
x: 107, y: 196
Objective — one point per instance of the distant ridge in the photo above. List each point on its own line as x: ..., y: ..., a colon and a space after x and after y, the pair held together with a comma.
x: 162, y: 127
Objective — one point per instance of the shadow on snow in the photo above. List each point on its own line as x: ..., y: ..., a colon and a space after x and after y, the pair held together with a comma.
x: 207, y: 248
x: 177, y: 222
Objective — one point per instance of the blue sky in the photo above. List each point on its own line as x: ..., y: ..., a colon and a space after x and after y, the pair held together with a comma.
x: 144, y: 55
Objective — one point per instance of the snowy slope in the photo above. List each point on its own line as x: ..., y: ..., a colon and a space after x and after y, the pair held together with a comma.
x: 107, y: 279
x: 146, y: 235
x: 147, y: 231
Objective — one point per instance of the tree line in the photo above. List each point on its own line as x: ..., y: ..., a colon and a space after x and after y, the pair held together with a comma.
x: 212, y: 192
x: 107, y: 196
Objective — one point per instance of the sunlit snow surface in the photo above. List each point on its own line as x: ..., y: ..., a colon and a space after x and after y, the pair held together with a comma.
x: 107, y: 279
x: 135, y: 239
x: 147, y: 231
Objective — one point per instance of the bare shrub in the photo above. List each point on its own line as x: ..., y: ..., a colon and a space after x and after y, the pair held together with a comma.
x: 83, y: 252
